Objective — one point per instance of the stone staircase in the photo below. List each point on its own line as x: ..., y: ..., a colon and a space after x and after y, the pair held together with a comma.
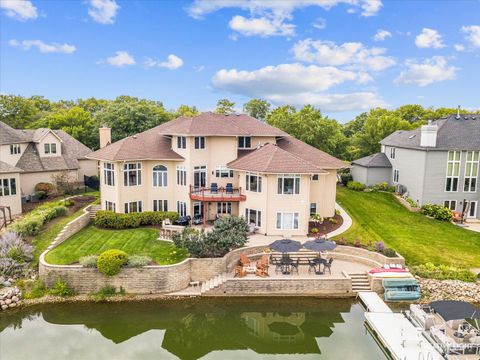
x: 94, y: 209
x: 213, y: 283
x: 360, y: 282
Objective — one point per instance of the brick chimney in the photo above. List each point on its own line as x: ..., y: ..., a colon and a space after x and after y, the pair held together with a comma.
x: 105, y: 134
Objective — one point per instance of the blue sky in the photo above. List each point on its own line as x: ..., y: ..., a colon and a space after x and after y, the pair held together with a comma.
x: 343, y: 56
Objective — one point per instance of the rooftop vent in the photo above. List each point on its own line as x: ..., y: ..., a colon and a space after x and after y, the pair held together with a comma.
x: 458, y: 113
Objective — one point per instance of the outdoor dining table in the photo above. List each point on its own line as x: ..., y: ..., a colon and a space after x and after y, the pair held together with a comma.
x: 319, y: 261
x: 286, y: 264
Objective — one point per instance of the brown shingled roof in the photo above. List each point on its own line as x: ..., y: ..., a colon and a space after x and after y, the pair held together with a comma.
x: 212, y: 124
x: 270, y: 158
x: 7, y: 168
x: 148, y: 145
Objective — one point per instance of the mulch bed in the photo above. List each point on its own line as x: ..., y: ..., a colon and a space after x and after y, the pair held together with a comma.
x: 325, y: 227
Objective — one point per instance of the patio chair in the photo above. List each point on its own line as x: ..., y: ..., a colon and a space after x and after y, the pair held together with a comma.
x: 239, y: 271
x: 277, y: 263
x: 214, y: 188
x: 244, y: 260
x: 328, y: 265
x: 229, y: 188
x: 294, y: 265
x: 311, y: 266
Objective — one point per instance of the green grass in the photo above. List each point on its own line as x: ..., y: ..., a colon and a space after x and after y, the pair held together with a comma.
x: 94, y: 241
x: 378, y: 216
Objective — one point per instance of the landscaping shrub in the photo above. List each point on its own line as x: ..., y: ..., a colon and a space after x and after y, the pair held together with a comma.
x: 61, y: 288
x: 33, y: 289
x: 111, y: 261
x: 333, y: 221
x: 383, y: 186
x: 314, y: 230
x: 31, y: 223
x: 15, y: 255
x: 111, y: 220
x: 357, y: 243
x: 437, y: 212
x: 136, y: 261
x: 89, y: 261
x: 45, y: 187
x: 411, y: 202
x: 443, y: 272
x: 68, y: 202
x: 356, y: 186
x: 389, y: 252
x: 346, y: 178
x: 106, y: 292
x: 379, y: 246
x: 40, y: 195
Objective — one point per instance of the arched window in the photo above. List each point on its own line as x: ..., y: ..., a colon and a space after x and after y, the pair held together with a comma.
x: 159, y: 175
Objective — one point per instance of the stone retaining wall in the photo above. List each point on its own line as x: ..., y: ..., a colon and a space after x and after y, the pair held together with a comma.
x: 72, y: 228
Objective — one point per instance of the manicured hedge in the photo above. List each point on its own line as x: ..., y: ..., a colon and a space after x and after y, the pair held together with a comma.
x: 111, y: 261
x: 111, y: 220
x: 437, y: 212
x: 31, y: 223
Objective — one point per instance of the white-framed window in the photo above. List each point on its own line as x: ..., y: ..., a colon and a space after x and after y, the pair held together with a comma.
x: 160, y: 174
x: 181, y: 142
x: 221, y: 171
x: 182, y: 208
x: 392, y: 153
x: 8, y: 187
x: 132, y: 174
x: 453, y: 170
x: 315, y: 177
x: 109, y: 174
x: 110, y: 206
x: 244, y: 142
x: 450, y: 204
x: 396, y: 176
x: 15, y: 149
x: 471, y: 171
x: 288, y: 184
x: 287, y: 221
x: 313, y: 208
x: 160, y: 205
x: 254, y: 182
x: 181, y: 175
x: 50, y: 148
x: 224, y: 207
x: 133, y: 207
x: 253, y: 217
x: 199, y: 142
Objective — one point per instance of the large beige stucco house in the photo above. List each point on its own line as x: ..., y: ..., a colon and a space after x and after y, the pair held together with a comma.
x: 28, y: 157
x: 213, y: 165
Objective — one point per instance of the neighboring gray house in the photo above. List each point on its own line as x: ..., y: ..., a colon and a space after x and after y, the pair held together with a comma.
x: 435, y: 164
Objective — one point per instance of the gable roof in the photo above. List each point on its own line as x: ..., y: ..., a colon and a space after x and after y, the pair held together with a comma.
x: 7, y: 168
x: 9, y: 135
x: 453, y: 134
x: 148, y: 145
x: 270, y: 158
x: 213, y: 124
x: 378, y: 160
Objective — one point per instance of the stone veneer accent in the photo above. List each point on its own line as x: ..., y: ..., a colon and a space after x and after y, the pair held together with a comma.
x: 172, y: 278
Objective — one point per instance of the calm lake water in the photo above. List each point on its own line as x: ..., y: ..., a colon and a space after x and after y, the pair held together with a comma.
x: 190, y: 329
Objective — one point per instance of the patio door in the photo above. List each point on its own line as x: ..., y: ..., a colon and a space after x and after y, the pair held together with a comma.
x: 472, y: 209
x: 199, y: 176
x: 198, y: 208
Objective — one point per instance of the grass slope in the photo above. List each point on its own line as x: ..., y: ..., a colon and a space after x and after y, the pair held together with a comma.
x: 94, y: 241
x: 380, y: 217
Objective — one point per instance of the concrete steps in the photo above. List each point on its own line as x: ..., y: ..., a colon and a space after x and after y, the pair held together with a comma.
x: 213, y: 283
x: 360, y: 282
x: 94, y: 209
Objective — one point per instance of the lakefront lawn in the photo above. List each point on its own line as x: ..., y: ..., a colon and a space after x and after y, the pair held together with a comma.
x: 93, y: 241
x: 378, y: 216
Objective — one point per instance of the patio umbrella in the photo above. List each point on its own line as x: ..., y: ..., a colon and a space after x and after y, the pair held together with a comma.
x: 286, y: 245
x: 320, y: 245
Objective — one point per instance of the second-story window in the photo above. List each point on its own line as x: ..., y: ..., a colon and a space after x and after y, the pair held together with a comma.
x: 244, y: 142
x: 109, y: 174
x: 132, y: 174
x: 160, y: 176
x: 181, y: 175
x: 396, y: 176
x: 253, y: 182
x: 199, y: 142
x: 392, y: 153
x: 50, y: 148
x: 471, y: 171
x: 453, y: 170
x: 289, y: 184
x: 15, y: 149
x: 222, y: 171
x: 181, y: 142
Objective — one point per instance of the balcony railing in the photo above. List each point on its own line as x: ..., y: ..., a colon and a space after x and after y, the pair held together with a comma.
x: 220, y: 194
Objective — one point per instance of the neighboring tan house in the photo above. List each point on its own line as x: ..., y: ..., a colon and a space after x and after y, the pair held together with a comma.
x: 33, y: 156
x: 435, y: 164
x: 211, y: 165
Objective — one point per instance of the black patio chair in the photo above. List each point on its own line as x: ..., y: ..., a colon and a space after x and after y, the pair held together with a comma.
x: 295, y: 265
x: 328, y: 265
x: 214, y: 188
x: 277, y: 263
x: 311, y: 266
x: 229, y: 188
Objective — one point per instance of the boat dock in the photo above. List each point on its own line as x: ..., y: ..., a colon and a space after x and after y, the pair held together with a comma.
x: 401, y: 339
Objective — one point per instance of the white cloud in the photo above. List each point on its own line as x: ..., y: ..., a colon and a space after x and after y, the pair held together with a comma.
x: 435, y: 69
x: 370, y: 7
x: 382, y: 35
x: 429, y: 38
x: 43, y: 47
x: 472, y: 34
x: 19, y: 9
x: 173, y: 62
x: 459, y: 47
x: 261, y: 26
x: 297, y: 84
x: 353, y: 54
x: 320, y: 23
x: 121, y: 58
x: 103, y: 11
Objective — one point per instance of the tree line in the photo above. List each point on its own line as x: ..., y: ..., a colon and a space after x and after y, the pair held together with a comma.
x: 128, y: 115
